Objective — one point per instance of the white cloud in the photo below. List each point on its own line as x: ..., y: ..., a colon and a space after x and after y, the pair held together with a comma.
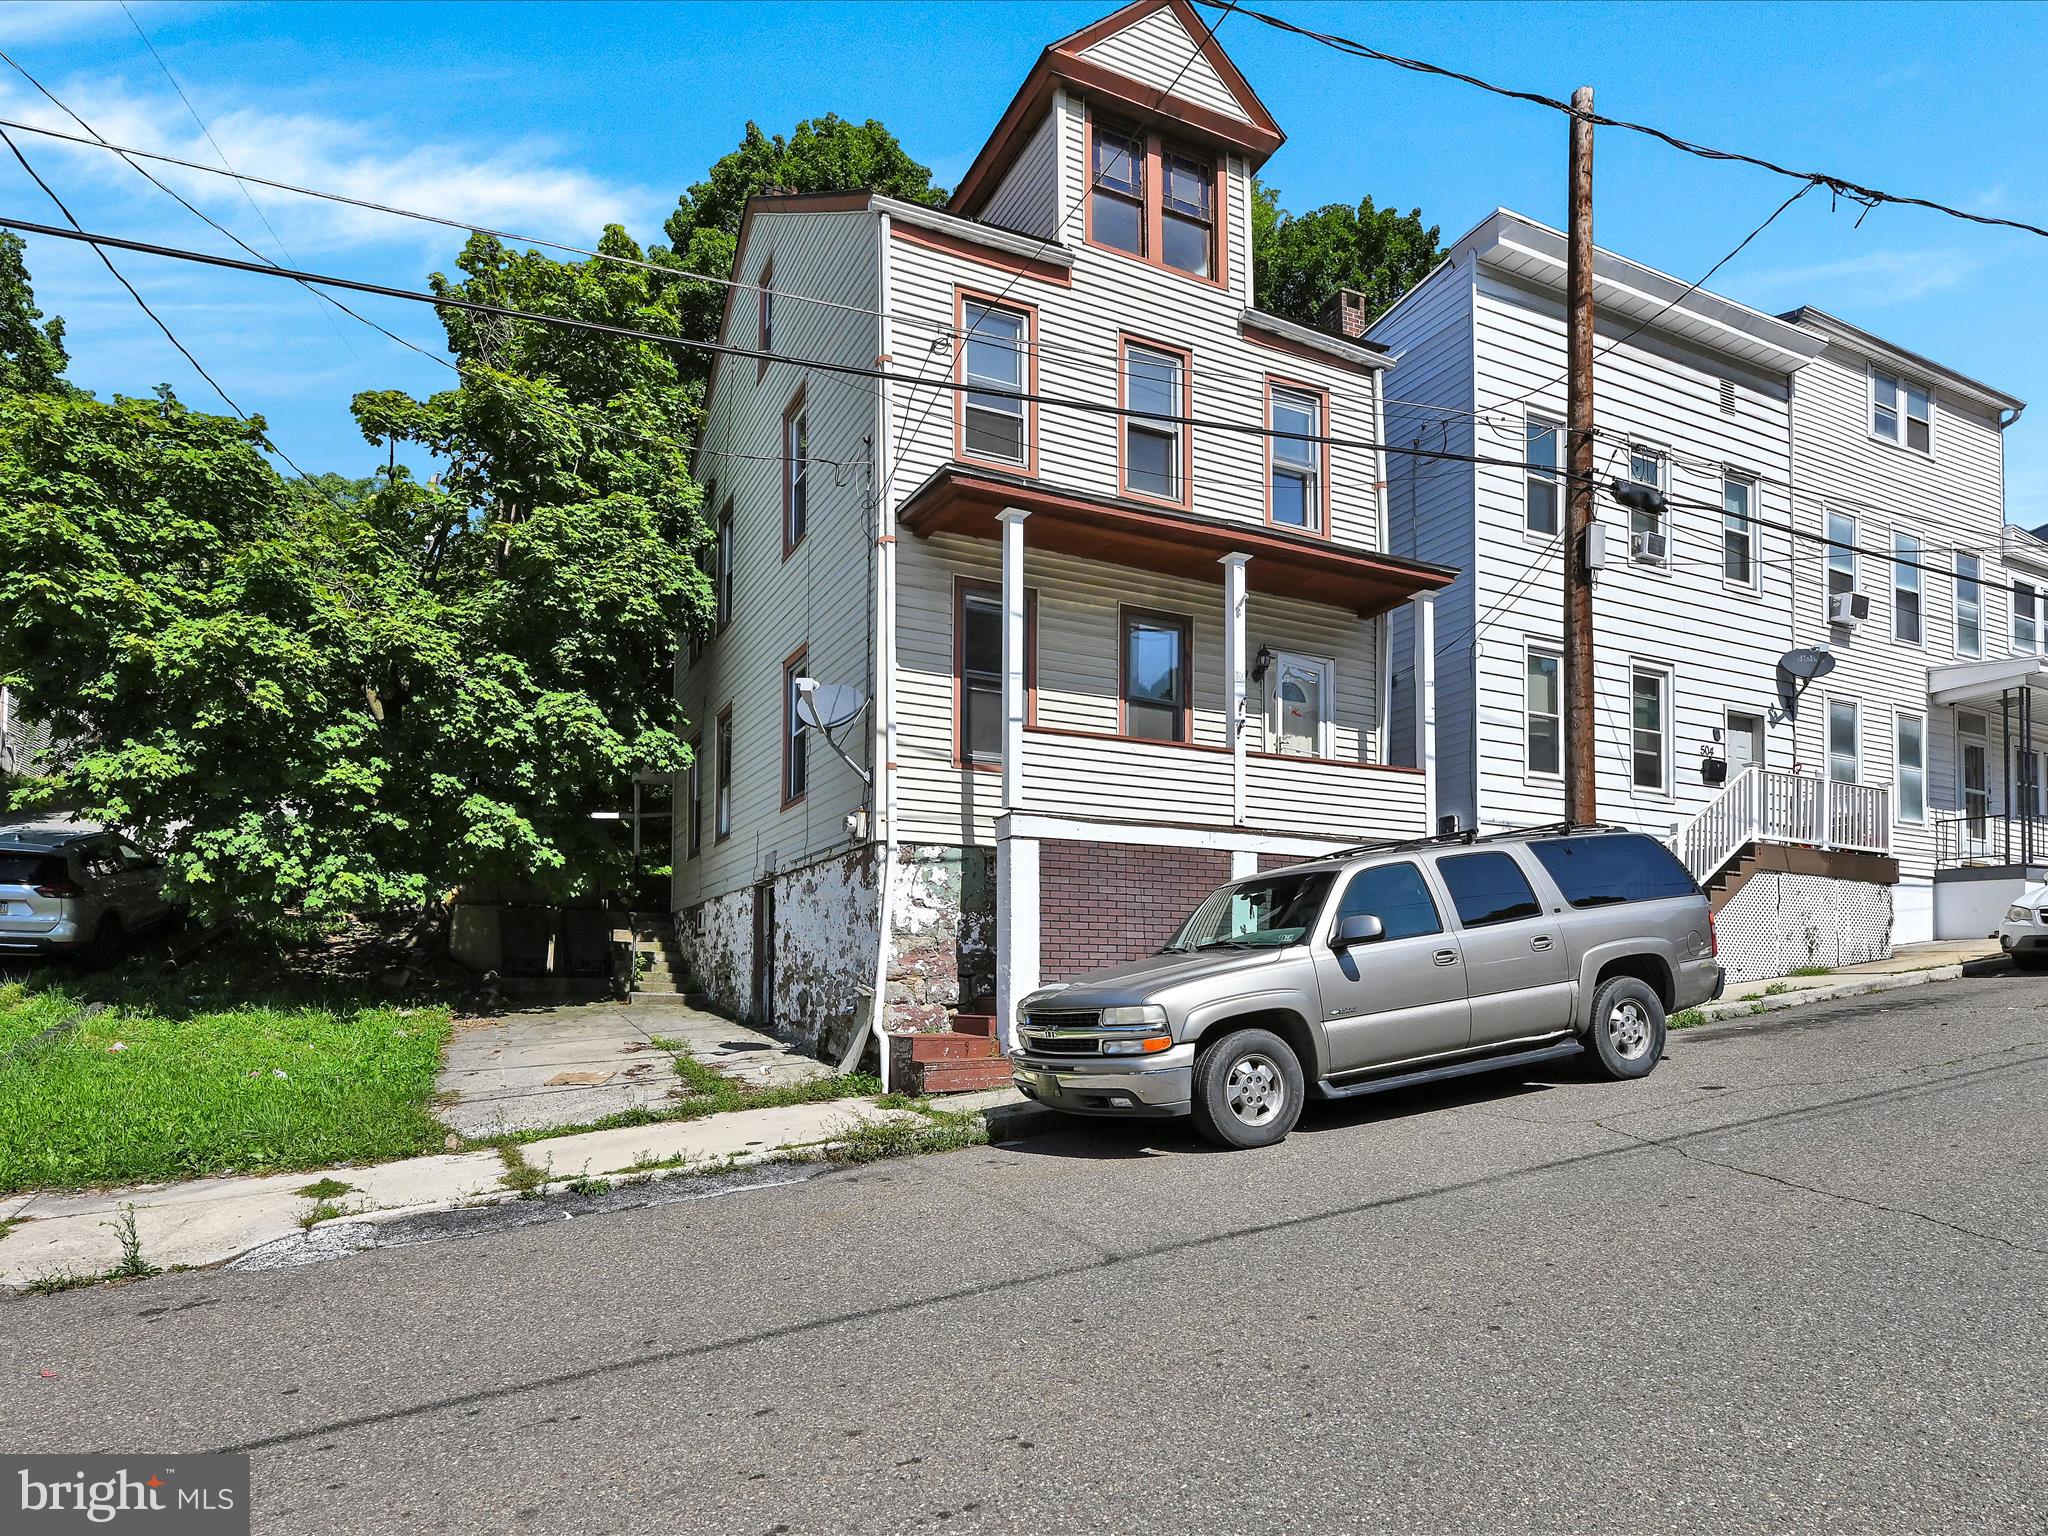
x: 523, y: 185
x: 40, y: 21
x: 1871, y: 280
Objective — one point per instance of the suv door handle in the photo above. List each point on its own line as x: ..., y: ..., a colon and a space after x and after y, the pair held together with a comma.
x: 1541, y: 941
x: 1446, y: 957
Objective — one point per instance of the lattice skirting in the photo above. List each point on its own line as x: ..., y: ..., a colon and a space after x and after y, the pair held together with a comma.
x: 1777, y: 923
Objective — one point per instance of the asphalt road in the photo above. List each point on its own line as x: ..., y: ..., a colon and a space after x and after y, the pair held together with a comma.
x: 1796, y: 1281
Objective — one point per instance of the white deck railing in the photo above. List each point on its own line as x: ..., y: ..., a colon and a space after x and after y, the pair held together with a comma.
x: 1772, y: 805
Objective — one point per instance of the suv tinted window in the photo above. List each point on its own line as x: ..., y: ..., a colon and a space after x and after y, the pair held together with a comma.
x: 1396, y: 895
x: 1488, y: 888
x: 1600, y: 871
x: 31, y: 869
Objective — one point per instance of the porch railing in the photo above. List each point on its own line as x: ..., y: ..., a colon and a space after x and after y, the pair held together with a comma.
x: 1772, y: 805
x: 1979, y: 837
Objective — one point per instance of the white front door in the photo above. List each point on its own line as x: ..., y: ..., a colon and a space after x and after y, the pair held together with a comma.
x: 1745, y: 737
x: 1298, y: 705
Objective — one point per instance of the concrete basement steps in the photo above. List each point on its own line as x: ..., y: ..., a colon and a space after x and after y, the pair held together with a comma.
x: 660, y: 975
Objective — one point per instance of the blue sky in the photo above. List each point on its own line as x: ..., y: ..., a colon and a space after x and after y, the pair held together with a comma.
x: 552, y: 119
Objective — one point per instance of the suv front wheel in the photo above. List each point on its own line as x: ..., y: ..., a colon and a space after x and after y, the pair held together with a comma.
x: 1248, y: 1089
x: 1627, y: 1036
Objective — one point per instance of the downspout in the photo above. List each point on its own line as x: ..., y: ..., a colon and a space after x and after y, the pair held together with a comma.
x: 882, y: 745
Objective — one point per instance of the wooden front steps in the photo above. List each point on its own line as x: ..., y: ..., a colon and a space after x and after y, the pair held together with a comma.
x: 1797, y: 859
x: 961, y: 1060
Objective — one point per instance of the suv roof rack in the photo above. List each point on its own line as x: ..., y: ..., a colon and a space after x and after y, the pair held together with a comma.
x: 1472, y: 835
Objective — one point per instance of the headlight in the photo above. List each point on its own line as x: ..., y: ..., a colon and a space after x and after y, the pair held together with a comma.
x: 1134, y: 1016
x: 2017, y: 914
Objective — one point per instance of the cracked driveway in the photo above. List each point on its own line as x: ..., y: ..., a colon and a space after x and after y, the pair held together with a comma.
x: 1796, y: 1281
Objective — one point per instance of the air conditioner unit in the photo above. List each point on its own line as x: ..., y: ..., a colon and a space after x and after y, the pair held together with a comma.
x: 1647, y: 548
x: 1848, y: 608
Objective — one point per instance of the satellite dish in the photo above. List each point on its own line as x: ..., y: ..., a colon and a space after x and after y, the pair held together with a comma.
x: 1796, y: 669
x: 827, y: 706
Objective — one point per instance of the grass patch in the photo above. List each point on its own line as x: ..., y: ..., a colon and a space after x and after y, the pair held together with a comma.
x: 1687, y: 1018
x: 520, y: 1176
x: 711, y: 1093
x: 1811, y: 970
x: 586, y: 1185
x: 940, y: 1131
x: 326, y: 1210
x: 1778, y: 989
x: 159, y: 1086
x: 325, y: 1189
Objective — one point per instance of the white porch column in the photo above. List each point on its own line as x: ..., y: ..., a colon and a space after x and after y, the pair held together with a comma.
x: 1015, y: 701
x: 1424, y: 605
x: 1016, y: 927
x: 1233, y: 672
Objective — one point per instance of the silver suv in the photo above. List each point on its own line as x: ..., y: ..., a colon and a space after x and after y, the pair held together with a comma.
x: 68, y: 887
x: 1386, y: 966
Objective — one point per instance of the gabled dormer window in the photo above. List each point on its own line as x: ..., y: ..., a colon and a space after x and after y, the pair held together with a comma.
x: 1153, y: 199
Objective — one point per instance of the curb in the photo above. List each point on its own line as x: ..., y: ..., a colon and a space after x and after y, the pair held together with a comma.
x: 1742, y: 1008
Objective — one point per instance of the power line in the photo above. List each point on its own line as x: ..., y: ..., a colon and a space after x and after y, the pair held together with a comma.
x: 821, y: 365
x: 1857, y: 192
x: 198, y: 213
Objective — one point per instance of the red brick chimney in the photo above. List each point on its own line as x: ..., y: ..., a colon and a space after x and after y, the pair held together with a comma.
x: 1344, y: 314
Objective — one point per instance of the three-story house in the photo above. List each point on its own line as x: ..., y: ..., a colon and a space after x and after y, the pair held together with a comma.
x: 1083, y: 565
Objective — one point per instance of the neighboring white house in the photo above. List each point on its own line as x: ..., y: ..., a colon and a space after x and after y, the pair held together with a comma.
x: 1822, y: 829
x: 1109, y: 658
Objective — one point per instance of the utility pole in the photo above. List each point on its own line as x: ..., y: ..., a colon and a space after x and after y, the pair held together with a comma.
x: 1579, y: 798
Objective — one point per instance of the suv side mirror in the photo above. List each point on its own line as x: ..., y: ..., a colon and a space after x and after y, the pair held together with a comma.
x: 1359, y: 928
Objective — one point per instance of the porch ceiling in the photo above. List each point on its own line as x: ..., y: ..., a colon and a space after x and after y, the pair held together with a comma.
x: 1147, y: 538
x: 1981, y: 682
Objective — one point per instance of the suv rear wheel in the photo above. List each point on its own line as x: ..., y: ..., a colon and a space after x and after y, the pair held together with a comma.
x: 1627, y: 1036
x: 108, y: 941
x: 1248, y: 1089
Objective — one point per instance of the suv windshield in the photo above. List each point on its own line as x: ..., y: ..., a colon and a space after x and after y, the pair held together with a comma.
x: 1266, y: 913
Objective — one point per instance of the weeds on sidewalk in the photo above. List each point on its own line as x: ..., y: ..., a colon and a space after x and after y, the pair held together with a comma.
x: 326, y: 1210
x: 521, y: 1177
x: 325, y: 1189
x: 133, y: 1265
x: 941, y: 1130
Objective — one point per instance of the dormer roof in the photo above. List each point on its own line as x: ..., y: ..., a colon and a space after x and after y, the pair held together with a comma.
x: 1158, y: 61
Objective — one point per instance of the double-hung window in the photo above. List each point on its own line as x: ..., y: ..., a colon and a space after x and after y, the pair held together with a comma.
x: 1912, y: 757
x: 1155, y: 383
x: 696, y: 790
x: 1969, y: 605
x: 1844, y: 741
x: 796, y: 757
x: 1187, y: 212
x: 1646, y: 467
x: 1155, y: 676
x: 978, y: 652
x: 2026, y: 607
x: 1543, y: 494
x: 721, y: 777
x: 796, y: 477
x: 1901, y: 412
x: 1650, y: 729
x: 1907, y: 610
x: 994, y: 348
x: 1841, y: 558
x: 1295, y: 481
x: 1116, y: 197
x: 1543, y: 713
x: 1738, y: 533
x: 722, y: 577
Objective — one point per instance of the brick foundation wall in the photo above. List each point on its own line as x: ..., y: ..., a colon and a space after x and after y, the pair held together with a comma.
x: 1106, y: 903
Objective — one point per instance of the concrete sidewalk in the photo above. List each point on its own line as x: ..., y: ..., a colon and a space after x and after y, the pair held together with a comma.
x: 208, y: 1221
x: 1910, y: 965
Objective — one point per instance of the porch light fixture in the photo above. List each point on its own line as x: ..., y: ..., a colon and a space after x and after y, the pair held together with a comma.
x: 1262, y: 664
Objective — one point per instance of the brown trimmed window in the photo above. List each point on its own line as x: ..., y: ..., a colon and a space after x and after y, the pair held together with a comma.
x: 722, y: 568
x: 1116, y: 201
x: 994, y: 348
x: 796, y: 480
x: 721, y: 777
x: 1156, y: 695
x: 1295, y: 467
x: 796, y: 760
x: 696, y: 790
x: 1187, y: 212
x: 1155, y: 381
x: 978, y: 670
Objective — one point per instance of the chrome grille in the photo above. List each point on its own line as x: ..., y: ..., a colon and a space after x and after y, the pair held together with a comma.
x: 1088, y: 1020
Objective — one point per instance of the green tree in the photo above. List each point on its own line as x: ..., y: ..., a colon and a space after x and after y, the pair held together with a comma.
x: 825, y: 154
x: 1300, y: 260
x: 351, y: 695
x: 32, y: 357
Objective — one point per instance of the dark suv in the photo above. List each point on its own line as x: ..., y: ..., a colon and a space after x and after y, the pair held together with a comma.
x: 1389, y: 965
x: 68, y: 887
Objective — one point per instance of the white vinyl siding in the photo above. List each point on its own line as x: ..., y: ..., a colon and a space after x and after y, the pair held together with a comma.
x: 1027, y: 199
x: 1156, y: 51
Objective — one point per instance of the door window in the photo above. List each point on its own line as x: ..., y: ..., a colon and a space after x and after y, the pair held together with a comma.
x: 1488, y: 888
x: 1397, y: 896
x: 1976, y: 772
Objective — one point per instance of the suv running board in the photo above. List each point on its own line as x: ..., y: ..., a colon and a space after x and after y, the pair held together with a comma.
x: 1558, y: 1052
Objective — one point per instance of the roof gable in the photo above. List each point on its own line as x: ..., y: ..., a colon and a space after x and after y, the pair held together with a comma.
x: 1157, y: 61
